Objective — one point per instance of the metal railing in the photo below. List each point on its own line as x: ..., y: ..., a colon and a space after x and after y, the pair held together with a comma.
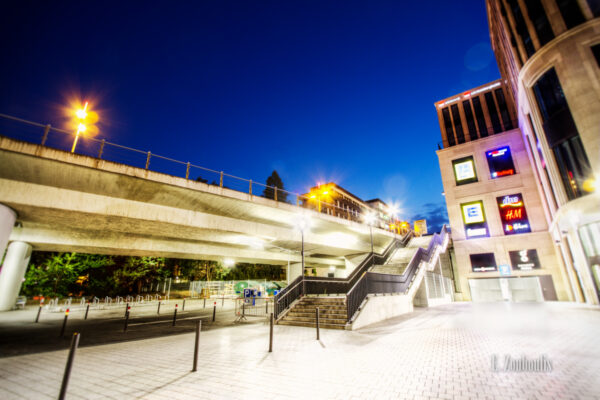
x: 306, y: 285
x: 361, y: 283
x: 489, y: 131
x: 101, y: 149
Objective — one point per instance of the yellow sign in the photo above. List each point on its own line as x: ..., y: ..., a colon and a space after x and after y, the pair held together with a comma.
x: 421, y: 226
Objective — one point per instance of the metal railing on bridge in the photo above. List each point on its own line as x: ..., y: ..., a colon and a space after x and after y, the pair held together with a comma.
x: 102, y: 149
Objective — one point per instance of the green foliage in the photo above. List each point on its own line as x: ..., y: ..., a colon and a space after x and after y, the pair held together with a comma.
x: 138, y: 271
x: 73, y: 274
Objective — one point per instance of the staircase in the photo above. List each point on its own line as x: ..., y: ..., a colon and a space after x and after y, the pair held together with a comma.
x: 332, y: 313
x: 392, y: 269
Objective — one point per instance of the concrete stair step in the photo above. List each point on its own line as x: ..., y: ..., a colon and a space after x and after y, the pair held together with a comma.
x: 320, y: 306
x: 313, y: 325
x: 323, y: 300
x: 303, y: 313
x: 313, y: 319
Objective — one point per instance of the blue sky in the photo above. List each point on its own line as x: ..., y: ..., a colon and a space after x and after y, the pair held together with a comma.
x: 319, y: 90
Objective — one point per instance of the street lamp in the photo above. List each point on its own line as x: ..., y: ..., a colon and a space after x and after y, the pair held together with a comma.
x: 81, y: 115
x: 302, y: 224
x: 370, y: 219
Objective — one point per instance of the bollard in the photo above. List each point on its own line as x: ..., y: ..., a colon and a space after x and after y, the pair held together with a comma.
x: 243, y: 310
x: 175, y: 315
x: 87, y: 310
x: 197, y: 344
x: 158, y: 311
x: 223, y: 301
x: 126, y: 321
x: 183, y: 305
x: 214, y: 311
x: 126, y: 309
x: 37, y: 318
x: 266, y: 307
x: 64, y: 325
x: 317, y: 315
x: 271, y: 335
x: 204, y: 306
x: 67, y: 374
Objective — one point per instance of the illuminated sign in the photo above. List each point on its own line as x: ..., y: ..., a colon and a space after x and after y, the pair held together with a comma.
x: 474, y: 219
x: 484, y: 262
x: 524, y: 260
x: 464, y: 170
x: 500, y: 162
x: 513, y: 214
x: 466, y: 95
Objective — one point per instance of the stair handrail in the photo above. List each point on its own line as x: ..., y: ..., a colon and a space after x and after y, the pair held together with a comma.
x: 354, y: 300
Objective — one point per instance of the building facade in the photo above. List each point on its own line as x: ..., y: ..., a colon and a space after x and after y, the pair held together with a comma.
x: 502, y: 247
x: 548, y: 53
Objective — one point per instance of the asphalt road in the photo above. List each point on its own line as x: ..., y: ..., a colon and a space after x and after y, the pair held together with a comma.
x: 23, y: 336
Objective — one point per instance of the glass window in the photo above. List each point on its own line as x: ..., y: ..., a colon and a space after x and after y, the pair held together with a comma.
x: 483, y: 262
x: 500, y: 162
x: 464, y: 170
x: 574, y: 166
x: 521, y: 27
x: 489, y: 101
x: 538, y: 17
x: 562, y: 135
x: 474, y: 219
x: 503, y: 109
x: 470, y: 121
x: 570, y: 12
x: 448, y: 127
x: 513, y: 214
x: 513, y: 41
x: 596, y: 52
x: 483, y: 132
x: 460, y: 136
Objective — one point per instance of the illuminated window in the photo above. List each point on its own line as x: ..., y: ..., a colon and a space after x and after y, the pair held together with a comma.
x: 473, y: 216
x: 464, y: 170
x: 483, y: 262
x: 513, y: 214
x: 500, y: 162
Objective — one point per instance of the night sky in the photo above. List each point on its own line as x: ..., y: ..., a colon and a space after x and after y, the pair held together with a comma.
x: 319, y: 90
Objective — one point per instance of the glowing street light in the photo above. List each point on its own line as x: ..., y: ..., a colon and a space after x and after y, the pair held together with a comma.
x: 81, y: 115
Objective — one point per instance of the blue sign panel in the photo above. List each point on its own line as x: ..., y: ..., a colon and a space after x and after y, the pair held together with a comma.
x: 504, y: 269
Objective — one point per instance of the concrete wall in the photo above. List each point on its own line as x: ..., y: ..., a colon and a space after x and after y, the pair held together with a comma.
x: 379, y: 308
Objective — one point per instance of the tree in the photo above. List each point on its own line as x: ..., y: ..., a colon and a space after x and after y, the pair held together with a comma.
x: 274, y: 181
x: 55, y: 275
x: 138, y: 271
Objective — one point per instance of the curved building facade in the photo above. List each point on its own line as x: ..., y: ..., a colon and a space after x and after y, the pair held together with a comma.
x: 548, y: 52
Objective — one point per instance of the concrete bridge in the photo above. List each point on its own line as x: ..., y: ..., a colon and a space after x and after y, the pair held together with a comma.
x: 53, y: 200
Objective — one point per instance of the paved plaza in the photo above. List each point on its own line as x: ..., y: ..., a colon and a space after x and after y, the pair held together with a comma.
x: 440, y: 353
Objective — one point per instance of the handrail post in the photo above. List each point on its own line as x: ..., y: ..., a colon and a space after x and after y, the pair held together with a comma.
x: 221, y: 180
x: 45, y: 137
x: 275, y: 193
x: 187, y: 171
x: 101, y: 149
x: 250, y: 190
x: 148, y: 160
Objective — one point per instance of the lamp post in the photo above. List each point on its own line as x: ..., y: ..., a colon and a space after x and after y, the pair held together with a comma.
x: 302, y: 224
x: 369, y: 219
x: 81, y: 115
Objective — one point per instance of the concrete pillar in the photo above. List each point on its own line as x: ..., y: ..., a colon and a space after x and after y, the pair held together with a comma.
x: 294, y: 271
x: 12, y: 273
x: 7, y: 221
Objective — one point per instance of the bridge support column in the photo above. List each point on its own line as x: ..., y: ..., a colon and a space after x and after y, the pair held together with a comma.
x: 7, y: 221
x: 12, y: 273
x: 294, y: 271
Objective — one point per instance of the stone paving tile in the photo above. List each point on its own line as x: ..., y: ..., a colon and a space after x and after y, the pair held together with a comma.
x: 440, y: 353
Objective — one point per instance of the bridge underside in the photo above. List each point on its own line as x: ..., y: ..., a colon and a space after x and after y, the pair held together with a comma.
x: 70, y: 202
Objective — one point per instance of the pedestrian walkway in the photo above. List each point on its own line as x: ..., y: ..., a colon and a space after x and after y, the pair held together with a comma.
x: 440, y: 353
